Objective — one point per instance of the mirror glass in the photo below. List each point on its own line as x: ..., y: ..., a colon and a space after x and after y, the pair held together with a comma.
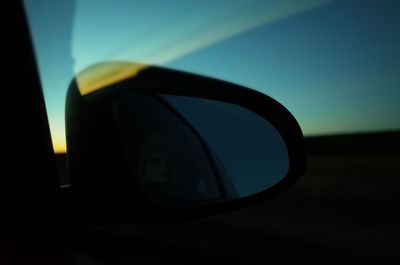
x: 185, y: 151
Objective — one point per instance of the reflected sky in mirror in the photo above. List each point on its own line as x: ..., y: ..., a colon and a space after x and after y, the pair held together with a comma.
x: 248, y: 147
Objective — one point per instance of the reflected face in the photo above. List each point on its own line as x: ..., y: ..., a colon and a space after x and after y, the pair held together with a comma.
x: 163, y: 168
x: 165, y: 158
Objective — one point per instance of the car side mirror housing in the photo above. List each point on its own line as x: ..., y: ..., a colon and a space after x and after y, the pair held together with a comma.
x: 153, y: 144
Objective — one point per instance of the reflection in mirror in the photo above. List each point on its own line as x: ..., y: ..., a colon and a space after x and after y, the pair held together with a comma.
x: 185, y: 151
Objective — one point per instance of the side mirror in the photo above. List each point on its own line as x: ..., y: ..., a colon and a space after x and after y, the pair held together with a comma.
x: 155, y: 142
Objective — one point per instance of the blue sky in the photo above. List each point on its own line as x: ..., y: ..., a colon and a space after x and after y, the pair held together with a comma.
x: 334, y: 64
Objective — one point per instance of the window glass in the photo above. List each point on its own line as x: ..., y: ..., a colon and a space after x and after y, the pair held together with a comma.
x: 334, y: 64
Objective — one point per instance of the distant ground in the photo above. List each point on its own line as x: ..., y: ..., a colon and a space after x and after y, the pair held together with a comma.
x: 360, y: 144
x: 347, y: 203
